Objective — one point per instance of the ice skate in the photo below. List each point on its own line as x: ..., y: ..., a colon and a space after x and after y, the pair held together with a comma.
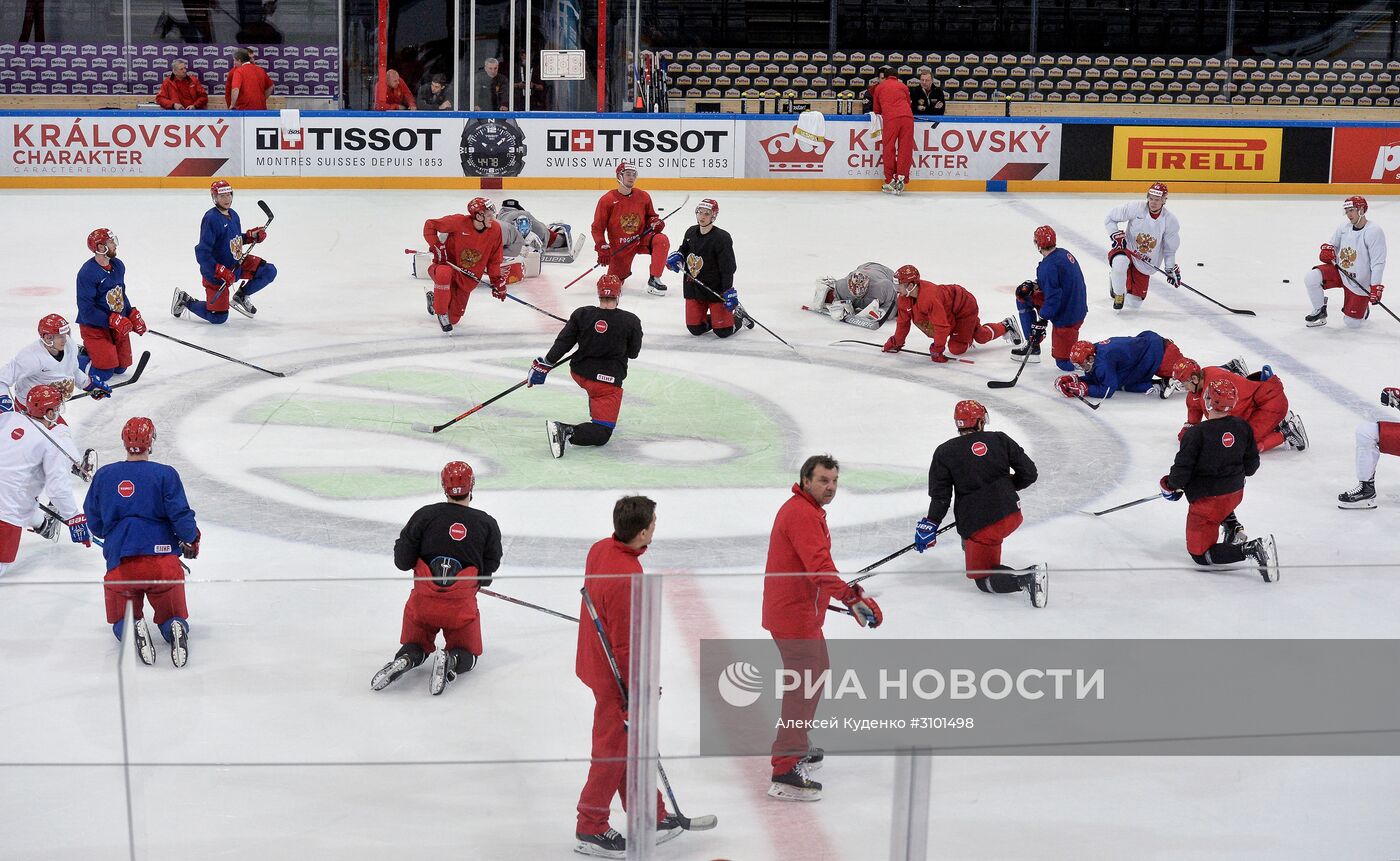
x: 390, y: 673
x: 1293, y: 431
x: 558, y: 434
x: 655, y: 287
x: 898, y: 184
x: 1237, y: 365
x: 888, y: 188
x: 1019, y: 353
x: 795, y: 785
x: 609, y: 844
x: 1318, y: 317
x: 1036, y: 581
x: 443, y: 672
x: 1234, y: 531
x: 1363, y: 496
x: 1013, y: 331
x: 242, y: 305
x: 179, y: 642
x: 668, y: 829
x: 145, y: 649
x: 1162, y: 388
x: 813, y: 759
x: 444, y: 323
x: 1265, y: 553
x: 742, y: 319
x: 178, y: 302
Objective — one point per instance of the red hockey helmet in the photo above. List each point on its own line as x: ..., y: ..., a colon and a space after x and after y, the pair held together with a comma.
x: 609, y: 287
x: 102, y: 239
x: 477, y: 206
x: 1356, y: 201
x: 138, y: 435
x: 907, y: 274
x: 709, y: 205
x: 1082, y: 353
x: 1221, y: 396
x: 53, y: 324
x: 1158, y: 189
x: 218, y: 187
x: 1184, y: 370
x: 41, y: 399
x: 1045, y: 236
x: 623, y: 167
x: 967, y: 414
x: 859, y: 283
x: 458, y: 478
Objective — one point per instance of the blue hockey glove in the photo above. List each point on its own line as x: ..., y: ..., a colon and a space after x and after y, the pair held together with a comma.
x: 674, y: 261
x: 78, y: 531
x: 1169, y: 493
x: 539, y: 369
x: 6, y: 405
x: 925, y: 534
x: 731, y: 299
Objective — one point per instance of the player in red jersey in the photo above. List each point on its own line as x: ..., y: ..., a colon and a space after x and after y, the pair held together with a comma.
x: 1261, y: 401
x: 470, y: 242
x: 625, y: 224
x: 947, y: 313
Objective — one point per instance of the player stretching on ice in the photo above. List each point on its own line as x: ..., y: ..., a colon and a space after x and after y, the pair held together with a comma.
x: 1141, y: 364
x: 866, y: 297
x: 947, y: 313
x: 223, y: 258
x: 1373, y: 439
x: 138, y: 506
x: 1210, y: 468
x: 1259, y: 399
x: 470, y: 242
x: 1148, y: 237
x: 106, y: 318
x: 31, y: 465
x: 625, y: 224
x: 707, y: 259
x: 46, y: 362
x: 453, y: 550
x: 607, y: 337
x: 1057, y: 295
x: 1353, y: 260
x: 985, y: 469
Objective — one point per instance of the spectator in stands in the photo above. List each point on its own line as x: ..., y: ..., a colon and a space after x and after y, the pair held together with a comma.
x: 392, y: 94
x: 433, y: 95
x: 927, y: 96
x: 490, y: 92
x: 890, y: 99
x: 182, y: 91
x: 248, y: 86
x: 537, y: 96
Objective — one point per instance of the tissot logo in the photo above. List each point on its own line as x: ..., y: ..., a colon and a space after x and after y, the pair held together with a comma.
x: 635, y: 140
x: 328, y: 139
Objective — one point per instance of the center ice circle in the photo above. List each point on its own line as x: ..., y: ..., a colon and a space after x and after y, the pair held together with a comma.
x: 687, y: 450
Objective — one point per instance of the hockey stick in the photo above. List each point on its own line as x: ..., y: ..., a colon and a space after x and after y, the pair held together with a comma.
x: 699, y: 823
x: 629, y: 240
x: 741, y: 308
x: 1006, y: 384
x: 1123, y: 506
x: 135, y: 375
x: 901, y: 349
x: 477, y: 279
x: 1368, y: 292
x: 422, y: 428
x: 266, y: 211
x: 900, y: 552
x: 1244, y: 311
x: 564, y: 616
x: 1088, y: 403
x: 213, y: 353
x: 52, y: 512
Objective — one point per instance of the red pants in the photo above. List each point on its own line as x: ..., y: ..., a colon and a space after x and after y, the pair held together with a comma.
x: 897, y: 146
x: 451, y: 292
x: 216, y: 295
x: 1204, y: 518
x: 1137, y: 279
x: 106, y: 348
x: 167, y: 597
x: 1389, y: 441
x: 9, y: 540
x: 1354, y: 305
x: 982, y: 549
x: 805, y: 655
x: 968, y: 329
x: 604, y: 400
x: 698, y: 312
x: 1062, y: 338
x: 657, y: 245
x: 457, y: 619
x: 607, y: 774
x: 1270, y: 405
x: 1170, y: 356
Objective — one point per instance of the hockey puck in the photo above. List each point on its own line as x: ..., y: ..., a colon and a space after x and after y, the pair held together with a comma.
x: 1200, y: 264
x: 1285, y: 280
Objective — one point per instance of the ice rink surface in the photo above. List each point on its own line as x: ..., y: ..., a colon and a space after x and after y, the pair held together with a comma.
x: 271, y: 741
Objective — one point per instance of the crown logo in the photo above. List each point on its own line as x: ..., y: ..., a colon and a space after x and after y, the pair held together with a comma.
x: 788, y: 152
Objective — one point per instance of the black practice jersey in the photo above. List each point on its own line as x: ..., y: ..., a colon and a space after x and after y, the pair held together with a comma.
x: 448, y: 531
x: 986, y: 468
x: 606, y: 339
x: 1214, y: 458
x: 709, y: 258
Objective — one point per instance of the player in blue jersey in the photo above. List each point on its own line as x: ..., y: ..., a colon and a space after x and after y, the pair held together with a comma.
x: 106, y: 318
x: 1055, y: 296
x: 139, y: 508
x: 1141, y: 364
x: 223, y: 258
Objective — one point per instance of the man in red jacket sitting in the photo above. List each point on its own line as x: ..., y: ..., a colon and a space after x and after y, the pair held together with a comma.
x: 801, y: 580
x: 182, y: 91
x: 392, y: 94
x: 890, y: 99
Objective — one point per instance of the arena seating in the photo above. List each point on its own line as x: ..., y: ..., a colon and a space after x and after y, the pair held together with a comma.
x: 1044, y: 78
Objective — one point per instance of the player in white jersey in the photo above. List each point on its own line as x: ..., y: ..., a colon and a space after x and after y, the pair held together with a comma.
x: 865, y: 297
x: 1353, y: 260
x: 36, y: 457
x: 47, y: 360
x: 1148, y: 237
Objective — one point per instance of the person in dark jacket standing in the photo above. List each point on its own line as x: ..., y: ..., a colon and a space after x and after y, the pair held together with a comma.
x: 607, y: 337
x: 926, y: 96
x: 453, y: 550
x: 986, y: 469
x: 1215, y: 457
x: 706, y: 256
x: 801, y: 579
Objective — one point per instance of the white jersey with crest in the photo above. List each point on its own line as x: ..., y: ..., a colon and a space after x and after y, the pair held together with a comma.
x: 35, y: 365
x: 1154, y: 238
x: 1362, y: 253
x: 32, y: 466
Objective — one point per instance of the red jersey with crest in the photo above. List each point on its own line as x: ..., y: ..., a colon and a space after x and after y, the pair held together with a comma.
x: 621, y: 216
x: 477, y: 251
x: 934, y: 311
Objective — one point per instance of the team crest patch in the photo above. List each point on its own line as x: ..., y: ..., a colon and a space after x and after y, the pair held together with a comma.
x: 17, y: 434
x: 979, y: 449
x: 1346, y: 258
x: 1145, y: 243
x: 630, y: 223
x: 470, y: 257
x: 116, y: 301
x: 693, y: 264
x: 126, y: 489
x: 1228, y: 440
x: 601, y: 327
x: 457, y: 531
x: 235, y: 246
